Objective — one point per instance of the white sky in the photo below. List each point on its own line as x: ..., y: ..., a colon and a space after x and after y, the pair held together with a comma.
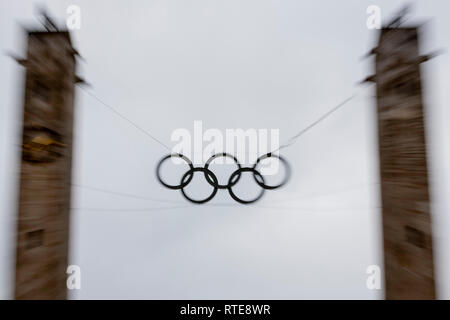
x: 231, y: 64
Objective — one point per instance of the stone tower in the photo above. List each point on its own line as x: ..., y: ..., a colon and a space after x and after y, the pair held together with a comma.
x: 46, y: 162
x: 408, y: 255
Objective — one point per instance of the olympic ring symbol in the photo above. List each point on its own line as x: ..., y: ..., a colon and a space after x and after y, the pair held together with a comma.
x: 232, y: 181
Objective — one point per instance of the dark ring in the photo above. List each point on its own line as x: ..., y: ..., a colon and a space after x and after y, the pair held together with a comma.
x: 223, y: 186
x: 191, y: 173
x: 238, y: 171
x: 179, y: 155
x: 287, y: 174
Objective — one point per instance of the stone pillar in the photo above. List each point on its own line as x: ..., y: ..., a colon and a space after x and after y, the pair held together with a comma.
x: 46, y: 163
x: 408, y: 254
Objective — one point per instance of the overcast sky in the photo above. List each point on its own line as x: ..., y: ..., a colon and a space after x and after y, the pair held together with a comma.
x: 231, y: 64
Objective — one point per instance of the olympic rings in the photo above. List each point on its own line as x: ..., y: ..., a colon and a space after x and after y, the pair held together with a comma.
x: 286, y: 177
x: 232, y: 181
x: 238, y: 172
x: 181, y: 185
x: 207, y: 172
x: 222, y: 155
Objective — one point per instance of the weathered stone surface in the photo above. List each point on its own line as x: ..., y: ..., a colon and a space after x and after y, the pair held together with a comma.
x: 408, y: 255
x: 45, y: 177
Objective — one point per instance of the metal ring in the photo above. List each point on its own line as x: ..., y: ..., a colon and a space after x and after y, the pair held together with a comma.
x: 287, y: 174
x: 191, y: 173
x: 230, y: 190
x: 224, y: 186
x: 181, y: 185
x: 213, y: 181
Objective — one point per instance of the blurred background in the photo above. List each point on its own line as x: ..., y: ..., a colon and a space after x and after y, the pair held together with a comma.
x: 231, y: 64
